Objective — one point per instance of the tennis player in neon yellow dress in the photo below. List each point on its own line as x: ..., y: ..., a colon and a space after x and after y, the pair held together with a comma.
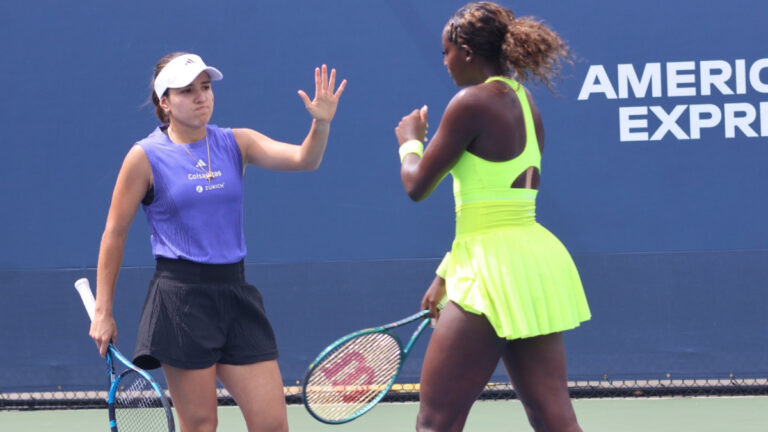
x: 513, y: 287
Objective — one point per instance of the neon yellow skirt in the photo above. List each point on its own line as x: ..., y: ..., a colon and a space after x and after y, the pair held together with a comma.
x: 507, y: 267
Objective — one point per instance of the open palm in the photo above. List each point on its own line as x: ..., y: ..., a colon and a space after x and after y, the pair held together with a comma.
x: 323, y: 107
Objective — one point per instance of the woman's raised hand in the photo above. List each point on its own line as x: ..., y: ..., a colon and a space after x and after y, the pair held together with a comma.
x: 323, y: 107
x: 413, y: 126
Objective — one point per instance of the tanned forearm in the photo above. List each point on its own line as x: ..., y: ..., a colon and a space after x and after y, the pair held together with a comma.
x: 110, y: 259
x: 313, y: 147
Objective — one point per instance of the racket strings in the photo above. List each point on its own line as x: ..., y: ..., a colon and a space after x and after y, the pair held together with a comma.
x: 138, y: 407
x: 353, y: 375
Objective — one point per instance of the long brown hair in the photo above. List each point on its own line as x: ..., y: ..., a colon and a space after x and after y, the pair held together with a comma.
x: 159, y: 112
x: 523, y: 45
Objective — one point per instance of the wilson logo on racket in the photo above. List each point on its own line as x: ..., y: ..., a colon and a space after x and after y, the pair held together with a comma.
x: 354, y: 373
x: 351, y: 369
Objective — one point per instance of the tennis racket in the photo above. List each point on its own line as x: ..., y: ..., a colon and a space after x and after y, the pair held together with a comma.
x: 354, y: 373
x: 135, y: 401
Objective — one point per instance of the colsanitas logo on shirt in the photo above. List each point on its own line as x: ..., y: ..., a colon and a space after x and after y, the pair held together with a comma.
x: 202, y: 176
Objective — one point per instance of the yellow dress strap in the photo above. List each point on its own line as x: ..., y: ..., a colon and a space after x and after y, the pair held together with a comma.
x: 532, y: 141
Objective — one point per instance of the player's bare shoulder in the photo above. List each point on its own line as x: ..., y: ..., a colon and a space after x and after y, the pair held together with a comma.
x: 470, y: 99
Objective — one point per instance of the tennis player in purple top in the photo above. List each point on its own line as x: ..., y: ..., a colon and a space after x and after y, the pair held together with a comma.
x: 202, y: 321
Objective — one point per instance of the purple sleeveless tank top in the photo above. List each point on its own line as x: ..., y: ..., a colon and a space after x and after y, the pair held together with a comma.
x: 190, y: 217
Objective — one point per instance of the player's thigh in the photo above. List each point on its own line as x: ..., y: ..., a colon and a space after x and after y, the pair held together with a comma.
x: 537, y: 368
x: 193, y: 392
x: 462, y: 354
x: 258, y: 390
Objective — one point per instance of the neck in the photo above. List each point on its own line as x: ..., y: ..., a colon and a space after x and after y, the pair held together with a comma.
x: 487, y: 70
x: 180, y: 134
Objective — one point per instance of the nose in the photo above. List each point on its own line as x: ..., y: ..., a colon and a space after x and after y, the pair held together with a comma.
x: 200, y: 96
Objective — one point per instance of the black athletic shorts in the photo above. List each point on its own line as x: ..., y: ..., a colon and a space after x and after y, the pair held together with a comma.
x: 196, y: 315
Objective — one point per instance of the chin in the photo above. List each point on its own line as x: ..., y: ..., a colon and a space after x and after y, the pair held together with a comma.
x: 460, y: 82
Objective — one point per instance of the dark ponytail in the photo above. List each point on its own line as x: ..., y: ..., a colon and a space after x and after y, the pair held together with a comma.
x: 528, y: 48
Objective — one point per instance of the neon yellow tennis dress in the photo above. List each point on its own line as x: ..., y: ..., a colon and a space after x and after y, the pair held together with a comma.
x: 503, y: 264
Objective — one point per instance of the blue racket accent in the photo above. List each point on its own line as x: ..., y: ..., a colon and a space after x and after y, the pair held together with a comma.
x: 354, y: 373
x: 135, y: 402
x: 129, y: 364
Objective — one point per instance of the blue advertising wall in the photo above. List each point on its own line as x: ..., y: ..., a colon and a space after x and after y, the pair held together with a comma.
x: 652, y: 174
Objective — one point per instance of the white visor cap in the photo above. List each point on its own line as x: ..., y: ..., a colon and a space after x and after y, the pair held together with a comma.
x: 181, y: 71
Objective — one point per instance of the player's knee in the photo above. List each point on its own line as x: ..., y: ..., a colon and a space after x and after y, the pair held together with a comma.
x: 423, y: 423
x: 200, y: 422
x: 266, y: 421
x: 535, y: 416
x: 274, y: 425
x: 552, y: 418
x: 429, y: 421
x: 536, y: 421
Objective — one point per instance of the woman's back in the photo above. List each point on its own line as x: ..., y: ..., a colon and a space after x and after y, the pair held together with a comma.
x: 500, y: 117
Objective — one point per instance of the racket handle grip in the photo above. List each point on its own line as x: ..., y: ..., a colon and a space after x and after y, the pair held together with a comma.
x: 84, y: 289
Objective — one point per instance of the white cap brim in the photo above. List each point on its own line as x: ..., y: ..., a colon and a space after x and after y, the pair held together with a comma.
x: 181, y: 71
